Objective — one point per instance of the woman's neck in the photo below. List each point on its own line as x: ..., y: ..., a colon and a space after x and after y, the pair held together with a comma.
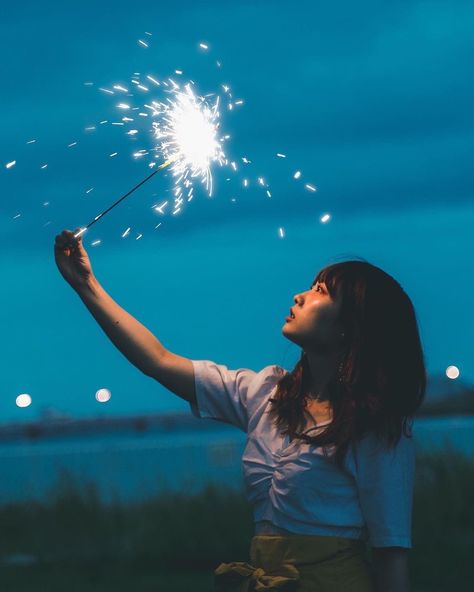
x: 322, y: 368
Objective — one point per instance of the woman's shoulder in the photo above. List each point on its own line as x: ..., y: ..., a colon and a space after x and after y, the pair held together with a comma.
x: 375, y: 447
x: 268, y: 376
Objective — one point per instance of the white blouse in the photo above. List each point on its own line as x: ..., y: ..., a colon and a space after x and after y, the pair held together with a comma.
x: 293, y: 485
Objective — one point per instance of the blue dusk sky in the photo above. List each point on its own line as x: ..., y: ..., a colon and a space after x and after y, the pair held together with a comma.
x: 372, y: 102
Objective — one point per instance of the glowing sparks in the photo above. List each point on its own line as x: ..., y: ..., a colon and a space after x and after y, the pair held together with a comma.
x: 204, y: 46
x: 154, y: 80
x: 120, y: 87
x: 160, y: 207
x: 10, y: 164
x: 325, y: 218
x: 95, y: 243
x: 113, y: 154
x: 142, y: 43
x: 186, y: 129
x: 280, y: 155
x: 281, y: 232
x: 123, y: 106
x: 126, y: 233
x: 297, y: 175
x: 310, y: 187
x: 452, y: 372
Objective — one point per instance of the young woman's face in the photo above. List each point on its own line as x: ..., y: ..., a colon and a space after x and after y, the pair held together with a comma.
x: 314, y: 326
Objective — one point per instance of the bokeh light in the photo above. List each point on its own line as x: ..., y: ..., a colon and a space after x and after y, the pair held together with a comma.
x: 23, y: 400
x: 103, y: 395
x: 452, y: 372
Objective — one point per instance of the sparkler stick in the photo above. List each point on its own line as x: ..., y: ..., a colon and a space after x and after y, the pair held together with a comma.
x: 99, y: 216
x: 187, y: 131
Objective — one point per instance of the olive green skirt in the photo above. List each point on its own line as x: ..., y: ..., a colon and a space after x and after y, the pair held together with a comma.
x: 303, y: 563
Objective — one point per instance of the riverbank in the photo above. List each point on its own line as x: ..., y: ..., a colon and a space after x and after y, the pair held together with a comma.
x: 75, y: 533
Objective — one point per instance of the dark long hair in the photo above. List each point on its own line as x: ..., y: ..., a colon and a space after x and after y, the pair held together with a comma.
x: 381, y: 380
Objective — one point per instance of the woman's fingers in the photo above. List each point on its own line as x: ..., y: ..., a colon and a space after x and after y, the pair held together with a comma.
x: 66, y: 239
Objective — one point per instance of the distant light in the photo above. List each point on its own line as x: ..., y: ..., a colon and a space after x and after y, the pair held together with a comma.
x: 325, y: 218
x: 103, y: 395
x: 23, y: 400
x: 452, y: 372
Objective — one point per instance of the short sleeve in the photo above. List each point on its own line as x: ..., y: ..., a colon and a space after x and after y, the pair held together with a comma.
x: 222, y: 394
x: 385, y: 481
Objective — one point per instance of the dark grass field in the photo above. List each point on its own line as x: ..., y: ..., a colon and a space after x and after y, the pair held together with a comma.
x: 173, y: 543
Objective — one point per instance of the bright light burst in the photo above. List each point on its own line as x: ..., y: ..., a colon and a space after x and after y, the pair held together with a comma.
x: 186, y: 128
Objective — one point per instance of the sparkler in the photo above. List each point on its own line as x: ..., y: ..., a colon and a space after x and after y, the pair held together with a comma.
x: 186, y: 130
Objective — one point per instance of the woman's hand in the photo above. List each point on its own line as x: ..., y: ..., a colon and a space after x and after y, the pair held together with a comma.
x: 72, y: 259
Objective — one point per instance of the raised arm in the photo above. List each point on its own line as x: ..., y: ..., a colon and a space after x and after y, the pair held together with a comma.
x: 130, y: 337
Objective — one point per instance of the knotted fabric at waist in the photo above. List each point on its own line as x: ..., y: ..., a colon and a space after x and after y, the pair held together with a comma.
x: 279, y: 562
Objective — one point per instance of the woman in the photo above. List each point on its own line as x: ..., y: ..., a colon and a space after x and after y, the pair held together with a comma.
x: 328, y: 464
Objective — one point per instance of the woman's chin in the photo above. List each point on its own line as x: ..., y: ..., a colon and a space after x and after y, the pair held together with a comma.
x: 286, y: 331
